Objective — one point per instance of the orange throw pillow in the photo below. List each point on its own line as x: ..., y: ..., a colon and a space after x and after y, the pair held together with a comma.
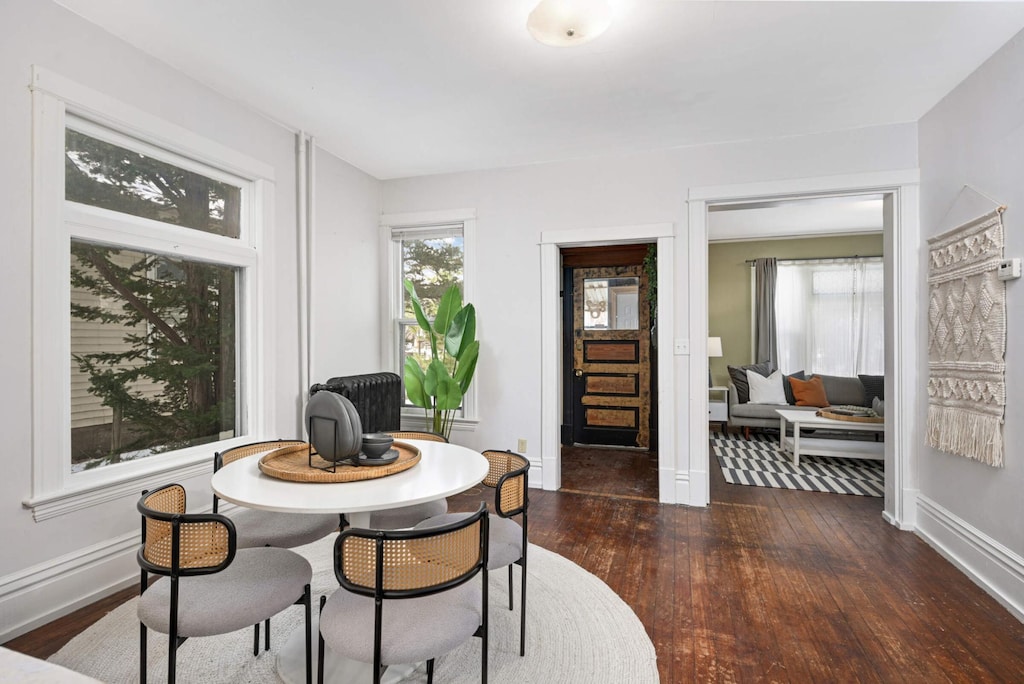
x: 809, y: 392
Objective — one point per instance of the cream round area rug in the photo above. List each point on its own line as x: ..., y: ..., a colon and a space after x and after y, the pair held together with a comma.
x: 577, y: 630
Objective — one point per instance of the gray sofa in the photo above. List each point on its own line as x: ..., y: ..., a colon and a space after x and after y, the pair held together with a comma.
x: 840, y: 390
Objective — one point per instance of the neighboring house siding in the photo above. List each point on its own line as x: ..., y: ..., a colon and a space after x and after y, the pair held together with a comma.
x: 87, y: 409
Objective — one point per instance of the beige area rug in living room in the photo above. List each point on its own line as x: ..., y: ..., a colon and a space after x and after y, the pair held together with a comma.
x: 578, y: 630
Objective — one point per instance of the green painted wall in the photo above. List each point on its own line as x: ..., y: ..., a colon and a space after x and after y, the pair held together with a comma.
x: 729, y: 279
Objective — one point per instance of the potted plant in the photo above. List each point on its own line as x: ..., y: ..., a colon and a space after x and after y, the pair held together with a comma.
x: 454, y: 350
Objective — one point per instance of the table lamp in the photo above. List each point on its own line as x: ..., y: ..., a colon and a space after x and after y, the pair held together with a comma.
x: 714, y: 352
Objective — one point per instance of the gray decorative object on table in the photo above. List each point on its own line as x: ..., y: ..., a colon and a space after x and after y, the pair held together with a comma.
x: 334, y: 428
x: 377, y: 444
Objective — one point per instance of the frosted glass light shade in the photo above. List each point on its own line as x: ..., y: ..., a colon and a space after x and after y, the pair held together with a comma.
x: 563, y: 23
x: 714, y: 347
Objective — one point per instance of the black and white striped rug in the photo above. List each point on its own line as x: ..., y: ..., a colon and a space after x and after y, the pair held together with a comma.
x: 758, y: 462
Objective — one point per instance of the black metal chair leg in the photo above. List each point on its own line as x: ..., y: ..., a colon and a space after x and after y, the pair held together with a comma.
x: 256, y: 639
x: 142, y: 653
x: 522, y: 612
x: 510, y: 607
x: 320, y: 647
x: 172, y: 657
x: 307, y: 601
x: 266, y: 635
x: 430, y: 671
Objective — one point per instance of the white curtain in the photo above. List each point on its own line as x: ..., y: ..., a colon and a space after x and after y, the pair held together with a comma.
x: 831, y: 317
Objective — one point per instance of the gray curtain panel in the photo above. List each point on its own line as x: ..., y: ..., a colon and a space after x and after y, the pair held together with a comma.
x: 766, y: 344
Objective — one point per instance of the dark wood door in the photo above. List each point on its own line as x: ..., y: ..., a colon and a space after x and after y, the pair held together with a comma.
x: 610, y: 356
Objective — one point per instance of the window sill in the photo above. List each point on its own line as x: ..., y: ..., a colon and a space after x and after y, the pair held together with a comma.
x: 93, y: 488
x: 414, y: 420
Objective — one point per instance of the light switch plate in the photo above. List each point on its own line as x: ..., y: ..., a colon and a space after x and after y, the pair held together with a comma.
x: 682, y: 347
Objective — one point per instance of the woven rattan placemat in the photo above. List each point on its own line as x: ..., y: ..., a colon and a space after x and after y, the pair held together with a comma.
x: 293, y: 463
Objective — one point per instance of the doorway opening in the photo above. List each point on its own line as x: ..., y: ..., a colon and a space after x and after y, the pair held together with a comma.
x: 795, y: 286
x: 609, y: 370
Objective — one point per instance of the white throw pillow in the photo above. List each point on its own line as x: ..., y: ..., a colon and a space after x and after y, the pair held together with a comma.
x: 766, y: 390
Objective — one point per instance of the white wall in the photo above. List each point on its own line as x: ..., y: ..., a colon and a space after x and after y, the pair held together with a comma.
x: 515, y: 205
x: 49, y: 566
x: 347, y: 303
x: 975, y: 136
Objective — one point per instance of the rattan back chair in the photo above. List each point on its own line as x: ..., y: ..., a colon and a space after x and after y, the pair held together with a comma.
x: 207, y: 583
x: 271, y: 528
x: 408, y: 516
x: 508, y: 473
x: 406, y: 595
x: 417, y: 434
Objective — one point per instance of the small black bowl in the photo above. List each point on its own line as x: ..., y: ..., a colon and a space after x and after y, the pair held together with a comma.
x: 376, y: 445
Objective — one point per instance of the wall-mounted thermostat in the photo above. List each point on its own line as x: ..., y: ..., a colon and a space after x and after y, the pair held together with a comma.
x: 1009, y: 269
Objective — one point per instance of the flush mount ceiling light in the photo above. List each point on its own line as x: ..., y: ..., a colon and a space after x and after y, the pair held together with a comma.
x: 563, y: 23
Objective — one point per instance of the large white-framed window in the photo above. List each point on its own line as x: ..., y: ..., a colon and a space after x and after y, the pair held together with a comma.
x: 433, y: 250
x: 830, y: 315
x: 146, y: 298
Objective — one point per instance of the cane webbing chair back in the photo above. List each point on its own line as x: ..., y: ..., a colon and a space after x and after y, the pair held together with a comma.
x: 232, y: 455
x: 406, y: 563
x: 508, y: 473
x: 176, y: 545
x: 417, y: 434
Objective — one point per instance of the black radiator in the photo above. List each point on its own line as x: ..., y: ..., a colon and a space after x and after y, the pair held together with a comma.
x: 376, y: 396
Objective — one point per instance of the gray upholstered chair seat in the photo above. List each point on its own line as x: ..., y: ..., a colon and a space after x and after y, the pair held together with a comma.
x: 407, y: 516
x: 259, y: 582
x: 413, y: 630
x: 283, y: 530
x: 505, y: 536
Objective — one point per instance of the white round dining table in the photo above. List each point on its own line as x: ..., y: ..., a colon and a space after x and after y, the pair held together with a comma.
x: 443, y: 470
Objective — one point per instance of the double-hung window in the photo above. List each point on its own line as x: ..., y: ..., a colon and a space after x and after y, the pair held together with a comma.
x: 433, y: 251
x: 146, y: 282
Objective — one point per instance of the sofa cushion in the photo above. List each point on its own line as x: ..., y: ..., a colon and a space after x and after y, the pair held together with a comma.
x: 844, y: 391
x: 788, y: 389
x: 766, y: 390
x: 809, y: 392
x: 739, y: 378
x: 763, y: 411
x: 874, y: 386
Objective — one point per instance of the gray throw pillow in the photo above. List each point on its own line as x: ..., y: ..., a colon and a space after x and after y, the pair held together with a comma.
x: 874, y: 386
x: 790, y: 399
x: 738, y: 375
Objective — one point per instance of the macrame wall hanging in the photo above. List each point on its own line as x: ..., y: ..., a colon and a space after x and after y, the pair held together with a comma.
x: 967, y: 340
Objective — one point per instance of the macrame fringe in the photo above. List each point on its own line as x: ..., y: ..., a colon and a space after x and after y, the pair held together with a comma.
x: 964, y: 433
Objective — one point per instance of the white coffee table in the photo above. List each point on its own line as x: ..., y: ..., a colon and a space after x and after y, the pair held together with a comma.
x: 837, y: 448
x: 443, y: 470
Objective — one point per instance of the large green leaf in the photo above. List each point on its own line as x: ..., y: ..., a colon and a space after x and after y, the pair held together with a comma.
x: 467, y: 365
x: 461, y: 332
x: 421, y: 318
x: 436, y: 372
x: 449, y: 395
x: 451, y: 303
x: 414, y: 384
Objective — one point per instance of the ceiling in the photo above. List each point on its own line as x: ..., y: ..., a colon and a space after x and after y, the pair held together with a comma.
x: 412, y: 87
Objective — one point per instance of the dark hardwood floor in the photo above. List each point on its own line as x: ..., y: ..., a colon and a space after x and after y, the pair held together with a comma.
x: 764, y: 585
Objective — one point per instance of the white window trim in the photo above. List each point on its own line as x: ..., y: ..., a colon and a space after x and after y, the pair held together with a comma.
x: 391, y: 268
x: 55, y: 490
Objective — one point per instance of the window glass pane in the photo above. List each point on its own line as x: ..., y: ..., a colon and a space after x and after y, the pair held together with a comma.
x: 101, y: 174
x: 432, y: 264
x: 611, y: 303
x: 153, y: 354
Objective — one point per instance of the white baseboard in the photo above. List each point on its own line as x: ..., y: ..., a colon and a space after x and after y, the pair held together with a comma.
x: 991, y: 565
x: 44, y: 592
x: 536, y: 476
